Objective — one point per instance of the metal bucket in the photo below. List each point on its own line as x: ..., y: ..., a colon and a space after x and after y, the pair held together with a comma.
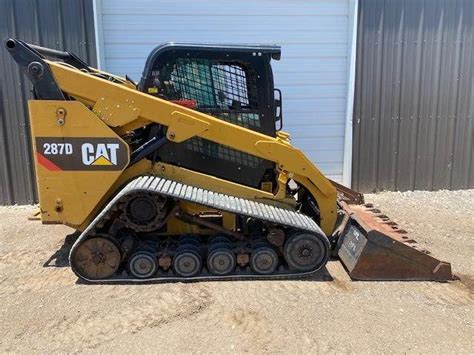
x: 372, y: 247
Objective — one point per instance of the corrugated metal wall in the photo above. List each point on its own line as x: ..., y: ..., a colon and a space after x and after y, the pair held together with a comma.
x: 59, y: 24
x: 414, y: 103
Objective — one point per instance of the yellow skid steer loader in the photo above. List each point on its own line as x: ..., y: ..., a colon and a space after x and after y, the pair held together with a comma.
x: 187, y: 174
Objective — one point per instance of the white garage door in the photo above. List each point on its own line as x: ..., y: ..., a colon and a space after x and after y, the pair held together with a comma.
x: 313, y: 72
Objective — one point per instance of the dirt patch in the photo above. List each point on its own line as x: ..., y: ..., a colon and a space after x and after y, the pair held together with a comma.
x: 466, y: 282
x: 45, y: 309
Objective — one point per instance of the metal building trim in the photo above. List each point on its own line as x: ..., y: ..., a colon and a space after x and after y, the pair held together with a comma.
x: 99, y: 33
x: 351, y: 70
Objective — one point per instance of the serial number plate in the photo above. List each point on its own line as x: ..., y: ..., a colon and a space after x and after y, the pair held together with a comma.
x: 352, y: 246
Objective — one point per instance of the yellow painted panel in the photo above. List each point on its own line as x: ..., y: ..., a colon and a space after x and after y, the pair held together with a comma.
x: 69, y: 192
x: 115, y: 113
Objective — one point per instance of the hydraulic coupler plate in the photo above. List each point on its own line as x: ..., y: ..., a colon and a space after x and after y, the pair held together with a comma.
x: 372, y: 247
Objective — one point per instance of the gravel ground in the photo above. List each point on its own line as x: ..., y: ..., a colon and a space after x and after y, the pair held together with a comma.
x: 44, y: 309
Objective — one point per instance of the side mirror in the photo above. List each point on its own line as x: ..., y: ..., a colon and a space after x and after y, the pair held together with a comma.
x: 278, y: 108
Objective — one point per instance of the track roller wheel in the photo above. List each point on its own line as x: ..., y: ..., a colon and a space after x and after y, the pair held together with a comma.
x: 221, y: 261
x: 189, y: 239
x: 96, y: 258
x: 187, y: 262
x: 218, y: 239
x: 306, y: 251
x: 264, y: 260
x: 142, y: 264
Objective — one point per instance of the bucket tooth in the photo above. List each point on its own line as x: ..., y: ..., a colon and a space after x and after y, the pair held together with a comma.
x: 374, y: 249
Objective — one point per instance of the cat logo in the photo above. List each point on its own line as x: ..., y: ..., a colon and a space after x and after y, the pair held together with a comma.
x: 100, y: 154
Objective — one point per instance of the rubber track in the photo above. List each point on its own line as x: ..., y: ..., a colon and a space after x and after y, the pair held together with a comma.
x: 207, y: 198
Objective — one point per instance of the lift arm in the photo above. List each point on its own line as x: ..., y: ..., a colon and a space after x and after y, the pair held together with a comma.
x: 125, y: 109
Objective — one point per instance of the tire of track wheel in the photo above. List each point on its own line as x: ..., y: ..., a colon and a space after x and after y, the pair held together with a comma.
x: 143, y: 257
x: 101, y: 244
x: 219, y: 255
x: 317, y: 247
x: 260, y: 257
x: 187, y: 255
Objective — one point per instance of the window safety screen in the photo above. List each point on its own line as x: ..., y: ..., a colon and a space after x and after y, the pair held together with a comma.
x: 213, y: 85
x: 224, y: 89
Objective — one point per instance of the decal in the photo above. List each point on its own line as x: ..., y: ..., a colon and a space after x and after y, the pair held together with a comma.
x: 100, y: 154
x: 77, y: 154
x: 47, y: 163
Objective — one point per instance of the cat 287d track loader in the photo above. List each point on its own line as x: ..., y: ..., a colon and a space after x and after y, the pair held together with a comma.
x: 188, y: 176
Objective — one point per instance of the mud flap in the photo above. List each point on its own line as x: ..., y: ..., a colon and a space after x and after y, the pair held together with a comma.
x: 373, y: 248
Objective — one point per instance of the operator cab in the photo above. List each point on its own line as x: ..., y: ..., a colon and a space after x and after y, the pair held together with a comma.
x: 230, y: 82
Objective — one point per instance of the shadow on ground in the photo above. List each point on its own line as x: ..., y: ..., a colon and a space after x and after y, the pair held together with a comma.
x: 60, y: 258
